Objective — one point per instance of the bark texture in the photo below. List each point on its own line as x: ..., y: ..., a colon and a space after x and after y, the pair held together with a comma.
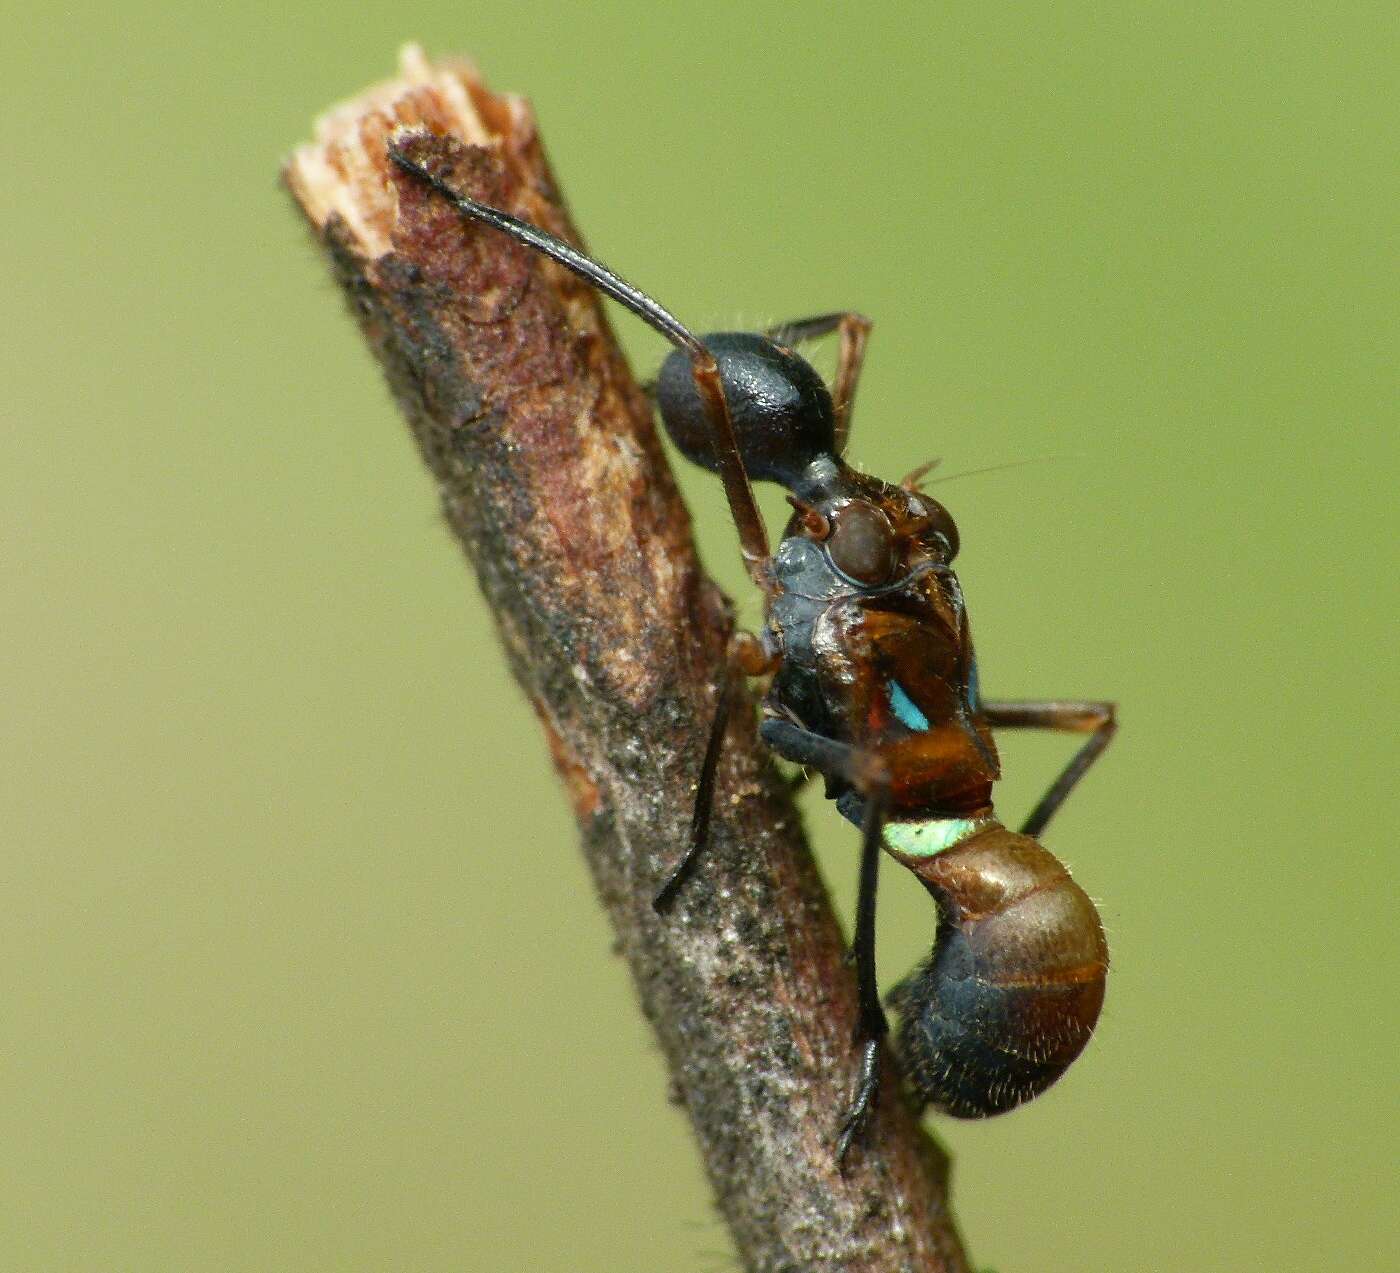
x: 551, y: 476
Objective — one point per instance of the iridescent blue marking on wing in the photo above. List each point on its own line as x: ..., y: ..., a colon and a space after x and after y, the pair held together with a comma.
x: 906, y: 711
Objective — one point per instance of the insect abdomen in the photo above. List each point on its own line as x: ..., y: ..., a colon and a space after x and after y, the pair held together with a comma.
x: 1012, y: 990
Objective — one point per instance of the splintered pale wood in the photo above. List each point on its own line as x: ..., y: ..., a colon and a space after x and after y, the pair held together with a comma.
x: 551, y: 476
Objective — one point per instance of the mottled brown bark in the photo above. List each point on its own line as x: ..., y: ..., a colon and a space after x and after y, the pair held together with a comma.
x: 551, y: 475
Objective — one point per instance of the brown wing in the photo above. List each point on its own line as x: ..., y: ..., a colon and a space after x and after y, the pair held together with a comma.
x: 897, y: 684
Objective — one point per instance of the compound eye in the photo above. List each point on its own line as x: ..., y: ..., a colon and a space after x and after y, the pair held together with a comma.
x: 941, y: 523
x: 862, y: 544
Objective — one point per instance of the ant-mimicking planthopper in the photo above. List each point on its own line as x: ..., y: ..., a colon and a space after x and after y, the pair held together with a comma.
x: 873, y: 684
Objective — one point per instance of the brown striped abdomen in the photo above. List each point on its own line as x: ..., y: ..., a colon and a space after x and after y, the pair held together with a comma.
x: 1012, y: 990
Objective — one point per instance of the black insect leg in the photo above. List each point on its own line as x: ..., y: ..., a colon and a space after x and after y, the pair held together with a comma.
x: 871, y: 1024
x: 704, y: 794
x: 745, y: 655
x: 812, y: 751
x: 1095, y: 719
x: 841, y: 760
x: 855, y: 331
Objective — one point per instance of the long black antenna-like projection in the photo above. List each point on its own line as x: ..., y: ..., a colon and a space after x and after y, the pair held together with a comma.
x: 728, y: 460
x: 610, y: 284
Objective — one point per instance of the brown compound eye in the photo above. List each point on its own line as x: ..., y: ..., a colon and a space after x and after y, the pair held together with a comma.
x: 862, y: 543
x: 941, y: 524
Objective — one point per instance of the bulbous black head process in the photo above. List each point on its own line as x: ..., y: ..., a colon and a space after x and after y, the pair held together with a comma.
x: 781, y: 408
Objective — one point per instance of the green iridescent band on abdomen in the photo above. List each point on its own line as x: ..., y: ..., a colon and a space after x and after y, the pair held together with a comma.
x: 929, y: 837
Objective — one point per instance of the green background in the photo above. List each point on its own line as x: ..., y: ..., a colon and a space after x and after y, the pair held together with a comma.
x: 300, y: 969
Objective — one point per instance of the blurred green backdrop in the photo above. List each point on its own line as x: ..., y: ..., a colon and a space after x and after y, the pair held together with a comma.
x: 279, y: 989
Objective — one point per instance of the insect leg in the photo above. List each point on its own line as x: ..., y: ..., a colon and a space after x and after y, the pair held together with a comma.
x: 704, y: 795
x: 803, y: 747
x: 864, y: 772
x: 855, y: 331
x: 745, y: 654
x: 871, y: 1025
x: 1095, y: 719
x: 753, y: 535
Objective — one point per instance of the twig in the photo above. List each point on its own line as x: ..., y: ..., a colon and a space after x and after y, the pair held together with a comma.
x: 551, y: 476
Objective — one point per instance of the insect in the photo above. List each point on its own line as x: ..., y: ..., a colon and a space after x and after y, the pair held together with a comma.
x: 873, y: 684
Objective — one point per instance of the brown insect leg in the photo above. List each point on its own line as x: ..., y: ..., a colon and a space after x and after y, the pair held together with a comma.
x: 1098, y: 720
x: 753, y: 535
x: 855, y: 332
